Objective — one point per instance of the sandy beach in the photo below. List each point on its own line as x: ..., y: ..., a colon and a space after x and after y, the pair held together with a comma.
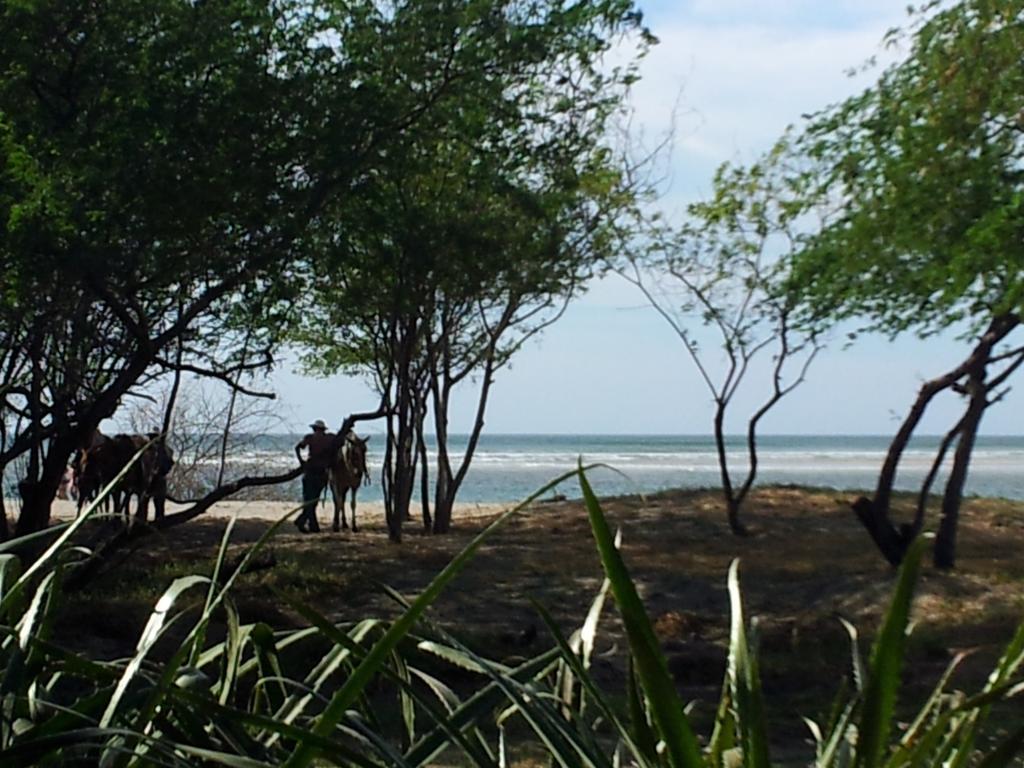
x: 370, y: 513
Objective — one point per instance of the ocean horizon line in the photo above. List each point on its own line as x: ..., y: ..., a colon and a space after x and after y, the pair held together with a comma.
x: 691, y: 435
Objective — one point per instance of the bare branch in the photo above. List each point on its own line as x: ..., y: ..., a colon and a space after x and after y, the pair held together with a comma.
x: 222, y: 376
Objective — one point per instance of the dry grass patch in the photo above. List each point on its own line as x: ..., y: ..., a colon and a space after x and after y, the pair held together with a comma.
x: 807, y: 563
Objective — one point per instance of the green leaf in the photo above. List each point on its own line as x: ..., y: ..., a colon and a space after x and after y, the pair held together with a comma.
x: 574, y: 661
x: 476, y: 707
x: 154, y: 628
x: 652, y: 671
x: 886, y: 663
x: 745, y: 682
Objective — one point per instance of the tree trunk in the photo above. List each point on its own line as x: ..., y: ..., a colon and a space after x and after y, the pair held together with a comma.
x: 443, y: 501
x: 404, y: 476
x: 232, y: 401
x: 888, y: 540
x: 926, y: 486
x: 446, y: 501
x: 172, y: 397
x: 421, y: 449
x: 443, y: 476
x: 33, y: 517
x: 5, y: 532
x: 874, y: 513
x: 732, y: 507
x: 945, y: 541
x: 225, y: 437
x: 388, y: 472
x: 403, y: 466
x: 37, y: 494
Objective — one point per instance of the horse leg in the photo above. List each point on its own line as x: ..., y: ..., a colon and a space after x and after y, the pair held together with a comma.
x: 334, y: 497
x: 355, y: 528
x: 122, y: 504
x: 158, y: 492
x: 81, y: 503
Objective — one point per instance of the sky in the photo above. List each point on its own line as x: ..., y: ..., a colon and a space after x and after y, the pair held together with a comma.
x: 737, y: 72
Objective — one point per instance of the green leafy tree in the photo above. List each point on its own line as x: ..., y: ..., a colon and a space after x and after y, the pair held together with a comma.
x: 726, y: 267
x: 468, y: 244
x: 927, y: 170
x: 169, y: 169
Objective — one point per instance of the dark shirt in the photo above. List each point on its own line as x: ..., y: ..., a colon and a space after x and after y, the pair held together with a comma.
x: 319, y: 445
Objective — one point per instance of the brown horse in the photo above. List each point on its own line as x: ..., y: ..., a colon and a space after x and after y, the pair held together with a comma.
x: 89, y: 469
x: 347, y: 474
x: 145, y: 478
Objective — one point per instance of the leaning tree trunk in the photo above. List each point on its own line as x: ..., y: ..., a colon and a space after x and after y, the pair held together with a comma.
x: 225, y: 436
x: 874, y: 513
x: 172, y: 397
x: 945, y: 541
x: 446, y: 500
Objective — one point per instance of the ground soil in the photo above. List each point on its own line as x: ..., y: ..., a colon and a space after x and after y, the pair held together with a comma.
x: 806, y: 564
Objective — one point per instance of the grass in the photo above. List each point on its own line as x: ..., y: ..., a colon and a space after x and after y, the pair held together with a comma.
x: 377, y: 679
x: 807, y: 564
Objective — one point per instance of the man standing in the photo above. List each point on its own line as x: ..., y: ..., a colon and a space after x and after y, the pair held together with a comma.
x: 314, y: 477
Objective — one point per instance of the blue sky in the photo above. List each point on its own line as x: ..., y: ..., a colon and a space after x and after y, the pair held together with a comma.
x: 741, y: 71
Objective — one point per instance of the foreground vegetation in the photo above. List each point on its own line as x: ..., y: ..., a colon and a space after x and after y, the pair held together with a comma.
x: 204, y: 685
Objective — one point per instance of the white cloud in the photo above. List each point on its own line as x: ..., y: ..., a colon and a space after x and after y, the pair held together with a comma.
x: 796, y: 14
x: 801, y: 11
x: 738, y: 87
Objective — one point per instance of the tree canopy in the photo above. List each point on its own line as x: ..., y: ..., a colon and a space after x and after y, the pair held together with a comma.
x: 927, y: 169
x: 726, y: 265
x: 172, y: 171
x: 464, y: 243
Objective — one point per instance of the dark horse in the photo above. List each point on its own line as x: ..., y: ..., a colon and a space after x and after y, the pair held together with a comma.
x: 346, y: 474
x: 146, y: 478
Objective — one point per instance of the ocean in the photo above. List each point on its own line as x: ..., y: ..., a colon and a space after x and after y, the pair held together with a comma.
x: 511, y: 467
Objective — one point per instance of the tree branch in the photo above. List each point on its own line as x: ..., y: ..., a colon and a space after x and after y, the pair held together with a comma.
x: 224, y: 376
